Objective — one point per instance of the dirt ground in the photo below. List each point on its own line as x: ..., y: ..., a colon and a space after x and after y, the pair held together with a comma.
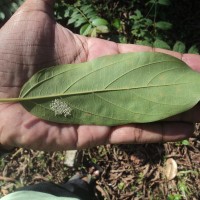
x: 128, y: 171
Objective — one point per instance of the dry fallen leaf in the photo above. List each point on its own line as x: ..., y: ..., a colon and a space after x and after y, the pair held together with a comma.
x: 4, y: 192
x: 170, y: 169
x: 70, y: 158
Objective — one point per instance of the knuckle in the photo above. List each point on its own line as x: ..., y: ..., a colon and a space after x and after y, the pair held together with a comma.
x: 137, y: 134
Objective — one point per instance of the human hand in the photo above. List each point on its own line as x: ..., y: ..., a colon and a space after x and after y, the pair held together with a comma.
x: 32, y: 40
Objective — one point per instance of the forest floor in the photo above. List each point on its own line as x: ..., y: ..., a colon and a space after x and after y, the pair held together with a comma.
x: 128, y: 171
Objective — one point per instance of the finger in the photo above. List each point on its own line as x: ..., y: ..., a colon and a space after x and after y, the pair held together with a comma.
x: 150, y: 133
x: 95, y: 50
x: 191, y: 60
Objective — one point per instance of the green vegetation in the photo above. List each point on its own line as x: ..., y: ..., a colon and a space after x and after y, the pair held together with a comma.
x: 7, y: 8
x: 147, y: 22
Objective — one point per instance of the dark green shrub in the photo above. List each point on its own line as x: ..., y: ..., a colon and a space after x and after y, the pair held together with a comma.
x: 8, y: 7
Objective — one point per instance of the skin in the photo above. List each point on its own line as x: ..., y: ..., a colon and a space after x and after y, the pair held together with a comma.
x: 31, y: 40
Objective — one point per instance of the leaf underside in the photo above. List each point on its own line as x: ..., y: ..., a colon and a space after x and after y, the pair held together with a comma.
x: 113, y: 90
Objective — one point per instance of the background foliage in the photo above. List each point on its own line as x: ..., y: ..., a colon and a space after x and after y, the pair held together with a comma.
x: 166, y: 24
x: 8, y: 7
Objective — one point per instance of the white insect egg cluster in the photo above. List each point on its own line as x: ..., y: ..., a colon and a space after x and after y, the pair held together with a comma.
x: 60, y: 108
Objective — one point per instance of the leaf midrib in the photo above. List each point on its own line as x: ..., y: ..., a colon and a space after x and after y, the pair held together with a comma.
x: 85, y: 92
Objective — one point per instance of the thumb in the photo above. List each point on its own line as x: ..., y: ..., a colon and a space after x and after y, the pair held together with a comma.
x: 45, y: 6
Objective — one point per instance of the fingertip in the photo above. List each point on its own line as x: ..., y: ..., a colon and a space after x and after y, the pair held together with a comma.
x: 50, y: 2
x: 192, y: 60
x: 151, y: 133
x: 173, y: 132
x: 45, y: 6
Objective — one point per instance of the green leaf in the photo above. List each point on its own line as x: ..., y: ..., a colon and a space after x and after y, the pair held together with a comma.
x: 76, y: 14
x: 99, y: 22
x: 174, y: 197
x: 121, y: 185
x: 119, y: 38
x: 179, y: 47
x: 87, y: 10
x: 122, y: 39
x: 112, y: 90
x: 102, y: 29
x: 91, y: 15
x: 13, y: 7
x: 94, y: 32
x: 185, y: 142
x: 161, y: 44
x: 164, y: 2
x: 138, y: 14
x: 6, y: 11
x: 71, y: 21
x: 19, y: 2
x: 163, y: 25
x: 143, y: 42
x: 80, y: 22
x: 117, y: 24
x: 2, y: 16
x: 86, y: 29
x: 193, y: 49
x: 148, y: 22
x: 68, y: 12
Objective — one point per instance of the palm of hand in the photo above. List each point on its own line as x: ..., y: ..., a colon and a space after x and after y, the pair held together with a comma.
x: 32, y: 40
